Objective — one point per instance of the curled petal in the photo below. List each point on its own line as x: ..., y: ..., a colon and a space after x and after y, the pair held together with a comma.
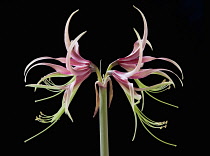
x: 66, y: 33
x: 28, y: 67
x: 150, y: 58
x: 146, y: 72
x: 57, y: 68
x: 144, y: 39
x: 35, y: 60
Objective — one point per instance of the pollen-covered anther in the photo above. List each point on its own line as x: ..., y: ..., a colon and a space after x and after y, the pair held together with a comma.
x: 37, y: 118
x: 165, y: 126
x: 169, y: 87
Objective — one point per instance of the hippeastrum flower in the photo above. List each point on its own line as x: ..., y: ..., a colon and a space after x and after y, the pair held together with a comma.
x: 75, y: 67
x: 133, y: 64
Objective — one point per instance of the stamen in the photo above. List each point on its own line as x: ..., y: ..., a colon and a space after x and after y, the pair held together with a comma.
x: 37, y: 118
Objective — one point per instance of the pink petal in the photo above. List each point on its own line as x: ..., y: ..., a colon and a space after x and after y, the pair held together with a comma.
x: 97, y: 99
x: 66, y: 33
x: 81, y: 78
x: 72, y: 61
x: 127, y: 67
x: 150, y: 58
x: 144, y: 39
x: 143, y: 73
x: 123, y: 82
x: 146, y: 72
x: 133, y: 55
x: 58, y: 68
x: 110, y: 92
x: 147, y: 59
x: 173, y: 62
x: 138, y: 66
x: 76, y: 56
x: 142, y: 44
x: 72, y: 89
x: 61, y: 59
x: 69, y: 54
x: 35, y: 60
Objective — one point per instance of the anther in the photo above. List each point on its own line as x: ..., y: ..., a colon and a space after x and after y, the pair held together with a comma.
x: 37, y: 118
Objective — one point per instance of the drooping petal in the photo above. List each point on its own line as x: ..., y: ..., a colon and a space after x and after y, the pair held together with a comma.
x: 35, y: 60
x: 97, y: 99
x: 57, y: 68
x: 168, y: 77
x: 143, y: 73
x: 146, y: 72
x: 150, y: 58
x: 110, y: 92
x: 29, y: 66
x: 123, y: 82
x: 71, y: 91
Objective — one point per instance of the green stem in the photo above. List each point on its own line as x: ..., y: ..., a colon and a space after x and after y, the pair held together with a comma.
x: 103, y: 119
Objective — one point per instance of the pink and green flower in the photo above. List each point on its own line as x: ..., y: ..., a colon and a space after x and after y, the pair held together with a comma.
x: 78, y: 69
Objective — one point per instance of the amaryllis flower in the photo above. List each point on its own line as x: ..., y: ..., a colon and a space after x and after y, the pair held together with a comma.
x: 133, y: 64
x: 78, y: 69
x: 75, y: 66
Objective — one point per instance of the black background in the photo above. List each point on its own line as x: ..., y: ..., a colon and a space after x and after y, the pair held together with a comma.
x: 35, y: 29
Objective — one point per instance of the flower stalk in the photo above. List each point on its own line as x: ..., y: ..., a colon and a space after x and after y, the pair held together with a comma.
x: 103, y: 119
